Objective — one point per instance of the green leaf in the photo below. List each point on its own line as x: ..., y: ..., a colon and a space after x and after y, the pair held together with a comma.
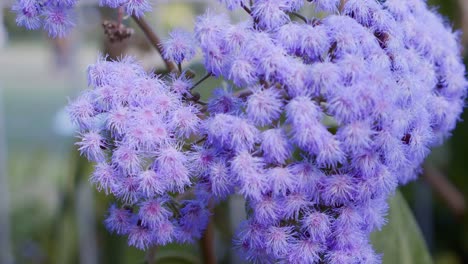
x: 401, y: 240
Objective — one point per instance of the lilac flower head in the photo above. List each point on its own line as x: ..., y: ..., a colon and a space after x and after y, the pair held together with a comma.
x: 57, y: 16
x: 344, y: 114
x: 28, y: 13
x: 135, y: 133
x: 179, y: 46
x: 327, y: 116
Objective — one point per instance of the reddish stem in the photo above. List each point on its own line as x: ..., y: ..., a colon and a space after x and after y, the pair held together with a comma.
x: 154, y: 39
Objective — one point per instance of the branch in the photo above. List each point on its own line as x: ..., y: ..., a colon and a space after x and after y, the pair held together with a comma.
x: 445, y: 189
x: 341, y: 7
x: 246, y: 9
x: 150, y: 257
x: 154, y: 39
x: 208, y: 75
x: 207, y: 242
x: 243, y: 93
x: 303, y: 18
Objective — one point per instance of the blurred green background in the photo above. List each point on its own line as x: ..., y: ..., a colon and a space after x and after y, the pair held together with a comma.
x: 55, y: 216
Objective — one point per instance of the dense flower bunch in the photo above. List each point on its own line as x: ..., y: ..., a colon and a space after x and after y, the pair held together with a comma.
x: 136, y: 126
x: 329, y: 115
x: 340, y: 110
x: 57, y: 16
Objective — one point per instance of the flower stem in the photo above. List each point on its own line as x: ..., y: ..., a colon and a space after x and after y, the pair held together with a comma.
x: 207, y: 243
x: 303, y: 18
x: 179, y: 67
x: 151, y: 255
x: 246, y: 9
x: 208, y: 75
x: 154, y: 39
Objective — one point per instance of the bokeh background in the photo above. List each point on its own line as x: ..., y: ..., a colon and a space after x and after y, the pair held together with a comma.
x: 49, y: 213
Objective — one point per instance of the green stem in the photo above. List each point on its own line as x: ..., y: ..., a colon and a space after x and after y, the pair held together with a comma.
x: 303, y: 18
x: 208, y: 75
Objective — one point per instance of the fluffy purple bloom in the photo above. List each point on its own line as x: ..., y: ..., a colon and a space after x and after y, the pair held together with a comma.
x: 195, y: 217
x: 264, y: 105
x: 127, y: 158
x: 243, y: 71
x: 222, y: 183
x: 58, y: 21
x: 266, y: 210
x: 140, y: 237
x: 337, y: 189
x: 152, y: 183
x: 231, y: 132
x: 275, y: 146
x: 233, y: 4
x: 28, y: 13
x: 104, y: 177
x: 224, y: 102
x: 172, y: 164
x: 281, y: 180
x: 326, y: 119
x: 279, y: 240
x: 250, y: 173
x: 153, y: 213
x: 181, y: 84
x: 137, y: 7
x: 112, y: 3
x: 127, y: 190
x: 326, y: 5
x: 294, y: 203
x: 186, y: 120
x: 180, y: 46
x: 270, y: 13
x: 305, y: 251
x: 92, y: 145
x: 318, y: 226
x: 119, y: 220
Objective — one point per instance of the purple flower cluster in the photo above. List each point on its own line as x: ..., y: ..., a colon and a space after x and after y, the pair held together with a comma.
x: 338, y: 111
x: 329, y: 115
x: 137, y: 128
x: 57, y: 16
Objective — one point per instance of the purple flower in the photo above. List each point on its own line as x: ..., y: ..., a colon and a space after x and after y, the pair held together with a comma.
x: 92, y: 145
x: 223, y: 102
x: 28, y: 13
x: 179, y: 46
x: 337, y: 189
x: 119, y: 220
x: 153, y: 213
x: 152, y: 183
x: 104, y: 177
x: 222, y: 182
x: 58, y: 21
x: 281, y: 180
x: 328, y: 116
x: 250, y: 173
x: 270, y: 13
x: 275, y: 146
x: 318, y: 225
x: 171, y: 163
x: 264, y: 105
x: 112, y: 3
x: 279, y: 240
x: 137, y: 7
x: 233, y: 4
x: 140, y: 237
x: 305, y: 251
x: 186, y: 120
